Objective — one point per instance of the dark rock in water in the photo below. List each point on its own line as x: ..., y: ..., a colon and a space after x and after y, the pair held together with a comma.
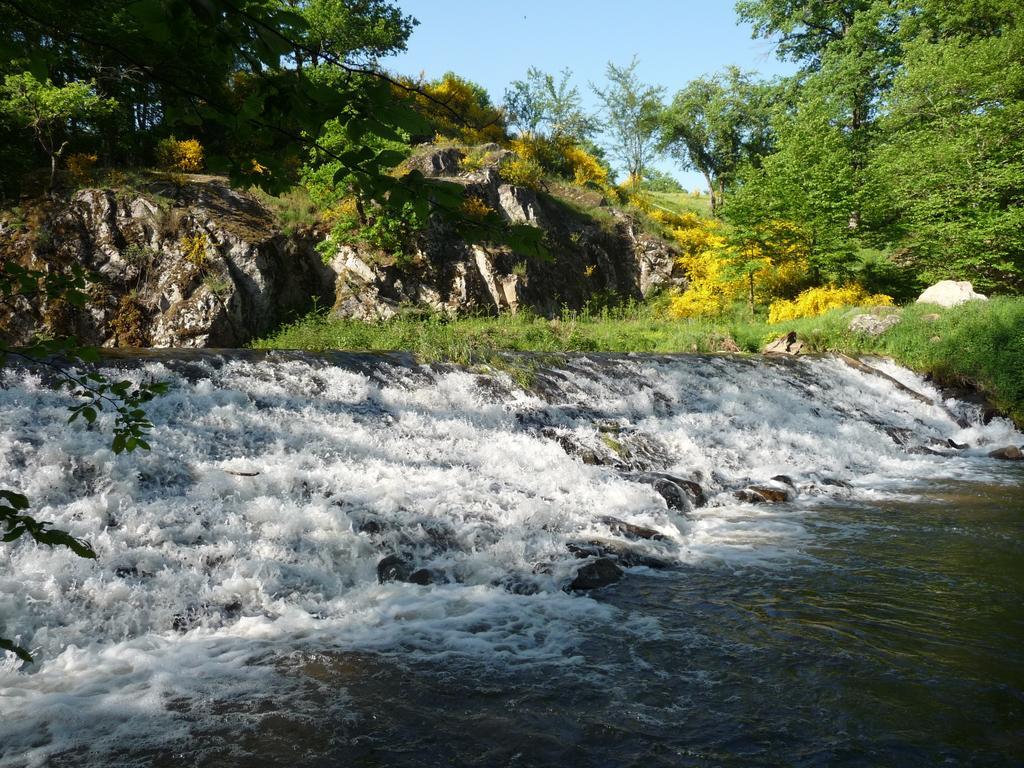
x: 596, y: 574
x: 954, y: 444
x: 750, y: 496
x: 785, y: 479
x: 923, y: 450
x: 422, y: 576
x: 126, y: 572
x: 678, y: 492
x: 835, y: 482
x: 369, y: 527
x: 622, y: 553
x: 572, y: 446
x: 231, y: 610
x: 760, y: 494
x: 393, y: 568
x: 631, y: 531
x: 1009, y: 453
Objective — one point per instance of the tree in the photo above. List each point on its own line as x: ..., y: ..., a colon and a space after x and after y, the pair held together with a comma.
x: 541, y: 100
x: 47, y: 110
x: 849, y: 48
x: 953, y: 160
x: 351, y: 30
x: 631, y: 110
x: 715, y: 124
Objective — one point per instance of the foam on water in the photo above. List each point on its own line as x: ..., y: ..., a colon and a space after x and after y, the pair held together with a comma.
x: 208, y: 575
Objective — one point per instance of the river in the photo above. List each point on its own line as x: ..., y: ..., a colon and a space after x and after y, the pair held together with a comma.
x: 236, y: 614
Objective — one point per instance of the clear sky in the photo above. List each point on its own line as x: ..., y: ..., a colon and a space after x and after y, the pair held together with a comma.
x: 493, y: 42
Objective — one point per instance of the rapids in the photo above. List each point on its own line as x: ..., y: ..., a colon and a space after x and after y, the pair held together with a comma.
x: 235, y: 615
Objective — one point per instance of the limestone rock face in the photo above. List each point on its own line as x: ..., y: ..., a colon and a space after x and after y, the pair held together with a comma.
x: 200, y: 266
x: 449, y: 276
x: 949, y: 293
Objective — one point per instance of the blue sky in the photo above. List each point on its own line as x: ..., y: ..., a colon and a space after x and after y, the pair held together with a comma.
x: 493, y: 43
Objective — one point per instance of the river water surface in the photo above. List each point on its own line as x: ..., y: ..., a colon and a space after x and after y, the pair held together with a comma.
x: 235, y: 616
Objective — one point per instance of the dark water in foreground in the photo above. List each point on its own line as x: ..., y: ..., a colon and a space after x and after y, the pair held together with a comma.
x: 900, y: 643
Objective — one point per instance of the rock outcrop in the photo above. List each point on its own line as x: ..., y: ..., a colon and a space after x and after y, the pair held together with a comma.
x: 874, y: 324
x: 198, y: 265
x: 589, y: 257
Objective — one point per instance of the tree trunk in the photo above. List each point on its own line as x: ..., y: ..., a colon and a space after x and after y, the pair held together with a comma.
x: 750, y: 295
x: 711, y: 193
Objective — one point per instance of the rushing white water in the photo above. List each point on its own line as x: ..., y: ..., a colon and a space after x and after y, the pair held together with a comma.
x: 254, y: 527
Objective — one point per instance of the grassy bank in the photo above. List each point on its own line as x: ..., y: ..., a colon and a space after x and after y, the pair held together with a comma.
x: 981, y: 343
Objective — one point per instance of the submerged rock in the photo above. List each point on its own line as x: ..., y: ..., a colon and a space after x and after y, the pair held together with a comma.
x: 596, y: 574
x: 766, y: 493
x: 1009, y: 453
x: 950, y: 293
x: 393, y: 568
x: 626, y: 555
x: 679, y: 493
x: 631, y: 531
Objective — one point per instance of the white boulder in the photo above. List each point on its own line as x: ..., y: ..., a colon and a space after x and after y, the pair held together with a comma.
x: 950, y: 293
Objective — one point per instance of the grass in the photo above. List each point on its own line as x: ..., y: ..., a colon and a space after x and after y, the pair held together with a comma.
x: 294, y: 210
x: 682, y: 202
x: 980, y: 343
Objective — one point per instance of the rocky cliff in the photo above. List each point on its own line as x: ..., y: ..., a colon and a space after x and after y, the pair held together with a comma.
x: 604, y: 255
x: 194, y: 266
x: 202, y: 265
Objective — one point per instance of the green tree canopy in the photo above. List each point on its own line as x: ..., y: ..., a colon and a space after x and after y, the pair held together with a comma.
x: 47, y: 110
x: 717, y: 123
x: 631, y: 110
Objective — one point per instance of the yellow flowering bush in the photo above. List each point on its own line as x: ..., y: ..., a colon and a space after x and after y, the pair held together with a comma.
x: 818, y: 301
x: 585, y: 168
x: 194, y: 248
x: 522, y: 171
x: 460, y: 109
x: 80, y: 166
x: 180, y: 156
x: 711, y: 289
x: 476, y: 208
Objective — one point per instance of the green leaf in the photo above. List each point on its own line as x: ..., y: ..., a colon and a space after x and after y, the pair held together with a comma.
x: 16, y: 500
x: 17, y: 650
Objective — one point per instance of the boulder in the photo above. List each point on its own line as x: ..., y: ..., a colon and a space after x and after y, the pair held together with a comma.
x: 785, y: 345
x: 950, y: 293
x: 679, y: 493
x: 874, y: 325
x: 771, y: 493
x: 393, y: 568
x: 631, y: 531
x: 624, y: 554
x: 1009, y: 453
x: 444, y: 161
x: 596, y: 574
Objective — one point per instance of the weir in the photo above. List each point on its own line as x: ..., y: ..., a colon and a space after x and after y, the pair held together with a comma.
x: 296, y: 510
